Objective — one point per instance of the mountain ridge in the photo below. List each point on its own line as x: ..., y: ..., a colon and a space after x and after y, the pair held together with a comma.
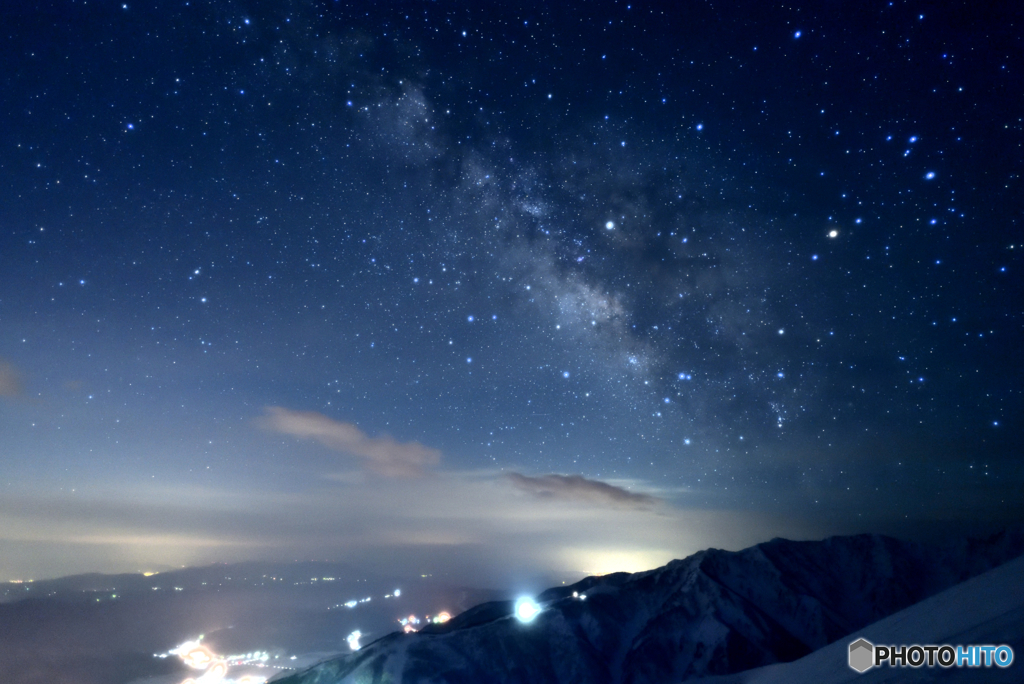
x: 713, y: 613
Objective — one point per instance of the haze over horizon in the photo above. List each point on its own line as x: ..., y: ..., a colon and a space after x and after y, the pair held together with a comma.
x: 503, y: 292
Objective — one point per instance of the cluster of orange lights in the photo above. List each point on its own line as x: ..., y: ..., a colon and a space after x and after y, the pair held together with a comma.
x: 408, y: 623
x: 198, y: 657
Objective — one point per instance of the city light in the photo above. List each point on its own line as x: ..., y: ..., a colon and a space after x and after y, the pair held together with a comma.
x: 194, y: 655
x: 216, y: 667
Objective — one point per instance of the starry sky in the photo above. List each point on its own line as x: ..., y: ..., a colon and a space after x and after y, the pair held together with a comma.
x: 501, y: 288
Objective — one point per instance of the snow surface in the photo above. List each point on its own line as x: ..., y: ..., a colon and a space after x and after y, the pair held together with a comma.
x: 987, y: 609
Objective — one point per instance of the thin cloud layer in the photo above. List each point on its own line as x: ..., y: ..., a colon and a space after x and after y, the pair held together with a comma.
x: 10, y: 382
x: 470, y: 527
x: 579, y: 488
x: 381, y: 455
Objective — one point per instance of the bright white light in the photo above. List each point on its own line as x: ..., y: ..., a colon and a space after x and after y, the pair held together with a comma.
x: 526, y: 609
x: 353, y: 640
x: 610, y: 225
x: 195, y: 655
x: 216, y: 673
x: 833, y: 233
x: 398, y: 592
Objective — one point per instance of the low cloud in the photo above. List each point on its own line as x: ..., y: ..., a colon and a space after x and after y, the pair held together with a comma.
x: 470, y: 527
x: 579, y: 488
x: 382, y: 455
x: 10, y: 381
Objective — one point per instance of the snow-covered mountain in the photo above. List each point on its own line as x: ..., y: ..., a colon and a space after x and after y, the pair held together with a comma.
x: 714, y: 613
x: 987, y: 609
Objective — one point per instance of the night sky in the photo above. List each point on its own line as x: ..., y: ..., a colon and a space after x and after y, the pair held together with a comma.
x: 466, y: 288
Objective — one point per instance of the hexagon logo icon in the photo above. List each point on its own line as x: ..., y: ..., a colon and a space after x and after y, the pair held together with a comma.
x: 862, y: 655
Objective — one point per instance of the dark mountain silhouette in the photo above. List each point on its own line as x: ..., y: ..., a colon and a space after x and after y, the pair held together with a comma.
x: 714, y: 613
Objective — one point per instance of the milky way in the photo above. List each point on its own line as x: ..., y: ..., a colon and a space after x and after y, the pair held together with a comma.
x: 748, y: 259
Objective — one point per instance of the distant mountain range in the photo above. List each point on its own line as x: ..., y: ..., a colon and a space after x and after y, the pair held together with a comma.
x: 252, y: 573
x: 714, y: 613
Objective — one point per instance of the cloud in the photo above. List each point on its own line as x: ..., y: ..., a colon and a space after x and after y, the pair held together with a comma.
x: 469, y: 526
x: 578, y: 488
x: 382, y: 455
x: 10, y: 381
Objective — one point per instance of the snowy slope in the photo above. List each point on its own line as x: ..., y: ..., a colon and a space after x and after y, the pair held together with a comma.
x: 713, y: 613
x: 988, y: 609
